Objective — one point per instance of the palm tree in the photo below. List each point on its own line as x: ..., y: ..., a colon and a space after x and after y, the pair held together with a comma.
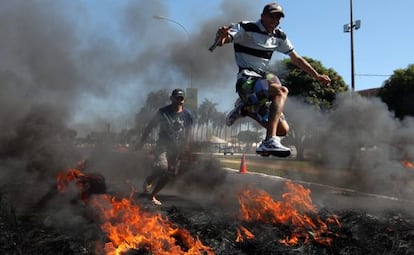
x: 154, y: 101
x: 195, y: 125
x: 207, y: 109
x: 218, y: 122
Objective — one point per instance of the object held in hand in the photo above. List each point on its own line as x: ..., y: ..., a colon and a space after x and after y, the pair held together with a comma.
x: 215, y: 44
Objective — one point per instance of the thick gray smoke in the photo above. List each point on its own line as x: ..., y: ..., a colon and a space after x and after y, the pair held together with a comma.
x: 65, y: 69
x: 97, y: 66
x: 360, y: 140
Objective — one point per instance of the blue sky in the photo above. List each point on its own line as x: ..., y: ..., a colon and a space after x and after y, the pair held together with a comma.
x: 96, y: 60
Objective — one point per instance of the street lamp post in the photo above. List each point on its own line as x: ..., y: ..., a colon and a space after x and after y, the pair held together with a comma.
x: 350, y: 28
x: 188, y: 37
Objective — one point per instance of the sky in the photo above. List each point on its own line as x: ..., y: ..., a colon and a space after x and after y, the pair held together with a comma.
x: 93, y: 62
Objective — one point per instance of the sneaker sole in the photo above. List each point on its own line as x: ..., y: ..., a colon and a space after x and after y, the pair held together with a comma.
x: 280, y: 154
x: 263, y: 153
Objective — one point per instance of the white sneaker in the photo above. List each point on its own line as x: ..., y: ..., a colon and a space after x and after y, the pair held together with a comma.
x: 274, y: 147
x: 235, y: 114
x: 155, y: 201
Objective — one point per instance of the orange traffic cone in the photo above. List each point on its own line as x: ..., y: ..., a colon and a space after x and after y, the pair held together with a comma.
x: 243, y: 168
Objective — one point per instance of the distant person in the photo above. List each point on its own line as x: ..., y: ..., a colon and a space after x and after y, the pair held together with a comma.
x: 261, y: 94
x: 174, y: 123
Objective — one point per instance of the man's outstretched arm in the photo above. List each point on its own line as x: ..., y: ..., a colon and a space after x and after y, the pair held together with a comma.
x: 146, y: 132
x: 300, y: 62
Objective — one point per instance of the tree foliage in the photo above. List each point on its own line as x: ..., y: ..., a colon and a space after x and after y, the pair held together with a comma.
x: 207, y: 111
x: 307, y: 89
x: 154, y: 101
x: 249, y: 136
x: 206, y: 115
x: 303, y: 85
x: 398, y: 92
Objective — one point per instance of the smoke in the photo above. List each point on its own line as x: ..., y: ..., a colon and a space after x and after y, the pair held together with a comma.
x: 360, y: 137
x: 99, y: 60
x: 70, y: 67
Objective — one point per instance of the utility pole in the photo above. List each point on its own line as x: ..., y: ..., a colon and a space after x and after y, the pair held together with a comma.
x: 349, y: 28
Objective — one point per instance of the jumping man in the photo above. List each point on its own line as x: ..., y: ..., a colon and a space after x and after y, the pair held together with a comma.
x: 261, y: 94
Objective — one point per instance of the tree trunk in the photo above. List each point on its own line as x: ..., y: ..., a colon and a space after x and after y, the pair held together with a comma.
x: 300, y: 152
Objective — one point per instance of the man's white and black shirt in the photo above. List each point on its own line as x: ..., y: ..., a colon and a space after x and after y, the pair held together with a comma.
x: 254, y: 46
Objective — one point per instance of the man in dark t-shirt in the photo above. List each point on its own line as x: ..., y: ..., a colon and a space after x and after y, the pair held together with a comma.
x: 174, y: 123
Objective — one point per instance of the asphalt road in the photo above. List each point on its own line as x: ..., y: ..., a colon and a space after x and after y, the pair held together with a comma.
x: 329, y: 189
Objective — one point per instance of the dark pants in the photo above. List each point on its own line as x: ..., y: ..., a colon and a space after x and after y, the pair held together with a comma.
x: 165, y: 167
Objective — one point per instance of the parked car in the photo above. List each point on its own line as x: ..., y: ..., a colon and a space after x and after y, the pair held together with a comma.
x: 228, y: 150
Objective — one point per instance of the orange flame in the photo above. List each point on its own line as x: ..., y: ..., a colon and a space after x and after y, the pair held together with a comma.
x: 407, y: 164
x: 129, y: 228
x: 81, y: 180
x: 246, y: 234
x: 257, y: 205
x: 72, y: 175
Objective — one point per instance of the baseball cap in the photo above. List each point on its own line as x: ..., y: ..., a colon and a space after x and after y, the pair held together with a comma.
x: 178, y: 92
x: 273, y: 8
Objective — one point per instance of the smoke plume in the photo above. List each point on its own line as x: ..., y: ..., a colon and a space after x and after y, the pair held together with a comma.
x: 361, y: 137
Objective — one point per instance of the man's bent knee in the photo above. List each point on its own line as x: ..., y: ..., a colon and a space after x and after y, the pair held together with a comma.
x: 278, y: 90
x: 160, y: 162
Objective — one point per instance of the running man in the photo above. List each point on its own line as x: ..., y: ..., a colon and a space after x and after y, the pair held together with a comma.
x: 174, y: 123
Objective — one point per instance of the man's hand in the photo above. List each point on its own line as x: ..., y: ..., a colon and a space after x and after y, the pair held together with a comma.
x: 324, y: 79
x: 223, y: 35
